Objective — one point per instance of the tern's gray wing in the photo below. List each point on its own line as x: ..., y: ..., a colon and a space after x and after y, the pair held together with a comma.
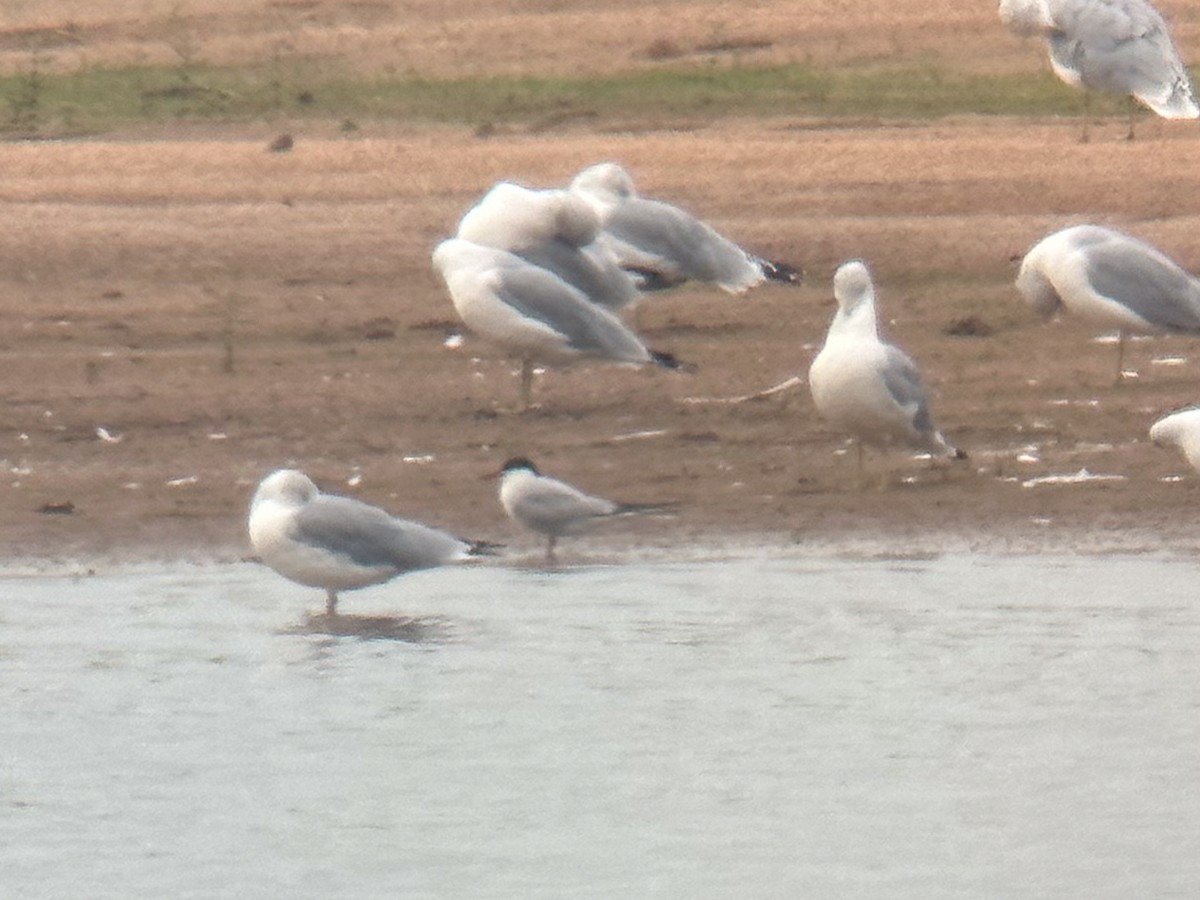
x: 370, y: 537
x: 551, y: 506
x: 1149, y: 285
x: 588, y: 328
x: 1122, y: 46
x: 903, y: 381
x: 696, y: 249
x: 600, y: 281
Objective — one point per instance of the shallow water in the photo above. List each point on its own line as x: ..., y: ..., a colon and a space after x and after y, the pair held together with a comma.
x: 955, y: 727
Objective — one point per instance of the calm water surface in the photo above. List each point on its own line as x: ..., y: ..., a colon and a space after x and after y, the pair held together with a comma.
x: 982, y: 727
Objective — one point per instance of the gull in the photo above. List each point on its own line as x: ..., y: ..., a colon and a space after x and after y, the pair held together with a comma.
x: 1119, y: 46
x: 664, y: 245
x: 555, y: 508
x: 1180, y: 429
x: 339, y: 543
x: 864, y: 386
x: 1112, y: 280
x: 553, y: 229
x: 533, y: 313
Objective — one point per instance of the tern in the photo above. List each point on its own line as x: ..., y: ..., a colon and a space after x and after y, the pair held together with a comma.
x: 556, y: 509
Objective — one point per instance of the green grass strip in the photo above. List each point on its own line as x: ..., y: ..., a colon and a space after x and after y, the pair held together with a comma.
x: 98, y: 99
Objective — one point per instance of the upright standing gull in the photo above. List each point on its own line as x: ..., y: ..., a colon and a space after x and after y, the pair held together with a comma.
x: 865, y: 387
x: 553, y: 229
x: 534, y: 314
x: 338, y: 543
x: 664, y: 245
x: 1120, y: 46
x: 555, y: 508
x: 1112, y: 280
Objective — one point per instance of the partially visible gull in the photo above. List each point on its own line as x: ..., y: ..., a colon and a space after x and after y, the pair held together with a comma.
x: 556, y: 509
x: 533, y: 314
x: 1112, y: 280
x: 1119, y: 46
x: 1180, y: 429
x: 553, y: 229
x: 664, y: 245
x: 338, y: 543
x: 867, y: 388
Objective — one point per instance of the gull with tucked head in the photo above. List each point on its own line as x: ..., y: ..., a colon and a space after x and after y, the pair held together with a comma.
x: 1113, y: 281
x: 865, y: 387
x: 662, y: 244
x: 553, y: 229
x: 338, y: 543
x: 533, y: 314
x: 1180, y: 429
x: 1119, y: 46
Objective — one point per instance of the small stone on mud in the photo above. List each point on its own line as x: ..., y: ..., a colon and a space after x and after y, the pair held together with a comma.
x: 968, y: 326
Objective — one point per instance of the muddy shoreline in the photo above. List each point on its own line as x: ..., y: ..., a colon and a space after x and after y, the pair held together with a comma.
x: 184, y: 312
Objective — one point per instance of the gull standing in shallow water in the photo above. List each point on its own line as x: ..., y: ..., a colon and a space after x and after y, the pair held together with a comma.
x: 553, y: 229
x: 1120, y: 46
x: 1180, y: 429
x: 663, y: 245
x: 1112, y: 280
x: 338, y: 543
x: 555, y: 508
x: 533, y: 313
x: 865, y: 387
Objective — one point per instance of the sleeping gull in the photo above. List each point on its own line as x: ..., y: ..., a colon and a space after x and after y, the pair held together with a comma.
x: 553, y: 229
x: 1180, y: 429
x: 533, y: 313
x: 555, y: 508
x: 1112, y: 280
x: 1121, y: 46
x: 665, y: 246
x: 866, y: 387
x: 338, y: 543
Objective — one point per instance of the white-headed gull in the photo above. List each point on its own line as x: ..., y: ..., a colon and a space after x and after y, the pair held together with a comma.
x: 533, y: 314
x: 1180, y: 429
x: 553, y: 229
x: 1112, y: 280
x: 339, y: 543
x: 1119, y: 46
x: 865, y: 387
x: 664, y: 245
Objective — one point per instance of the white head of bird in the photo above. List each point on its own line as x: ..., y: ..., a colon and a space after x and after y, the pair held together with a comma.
x: 604, y: 185
x: 1034, y: 286
x: 289, y: 487
x: 1026, y: 17
x: 510, y: 216
x: 1180, y: 429
x: 855, y: 295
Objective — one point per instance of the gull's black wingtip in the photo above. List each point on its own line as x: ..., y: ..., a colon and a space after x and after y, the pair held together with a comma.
x: 650, y: 281
x: 483, y: 548
x: 670, y: 361
x: 781, y: 273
